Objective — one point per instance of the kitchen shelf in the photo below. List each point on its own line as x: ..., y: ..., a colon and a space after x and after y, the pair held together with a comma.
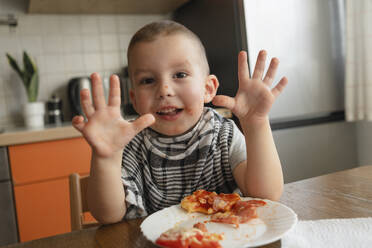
x: 104, y: 6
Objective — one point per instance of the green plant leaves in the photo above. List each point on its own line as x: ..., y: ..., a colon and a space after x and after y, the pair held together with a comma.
x: 30, y: 66
x: 29, y: 75
x: 13, y: 63
x: 33, y: 88
x: 29, y: 70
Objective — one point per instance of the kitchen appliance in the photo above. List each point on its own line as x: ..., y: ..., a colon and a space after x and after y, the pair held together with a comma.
x: 54, y: 106
x: 307, y: 36
x: 75, y: 85
x: 8, y: 223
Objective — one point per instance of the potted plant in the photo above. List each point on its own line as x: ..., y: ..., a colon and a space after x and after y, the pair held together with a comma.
x: 33, y: 111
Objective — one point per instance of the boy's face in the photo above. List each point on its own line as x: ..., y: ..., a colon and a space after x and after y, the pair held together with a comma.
x: 171, y: 82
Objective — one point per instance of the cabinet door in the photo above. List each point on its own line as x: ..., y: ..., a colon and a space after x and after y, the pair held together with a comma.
x: 41, y: 190
x: 43, y: 209
x: 49, y: 160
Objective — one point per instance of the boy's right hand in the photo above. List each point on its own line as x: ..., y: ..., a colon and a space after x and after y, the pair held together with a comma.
x: 106, y: 131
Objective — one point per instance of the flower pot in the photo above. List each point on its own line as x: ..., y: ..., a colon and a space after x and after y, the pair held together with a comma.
x: 33, y: 114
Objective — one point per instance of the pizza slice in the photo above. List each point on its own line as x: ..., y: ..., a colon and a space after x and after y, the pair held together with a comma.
x: 196, y: 237
x: 241, y: 212
x: 206, y: 202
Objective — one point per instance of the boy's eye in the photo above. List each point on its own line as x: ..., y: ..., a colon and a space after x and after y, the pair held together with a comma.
x: 147, y: 81
x: 180, y: 75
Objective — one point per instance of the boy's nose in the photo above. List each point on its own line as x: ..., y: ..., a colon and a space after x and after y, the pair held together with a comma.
x: 165, y: 90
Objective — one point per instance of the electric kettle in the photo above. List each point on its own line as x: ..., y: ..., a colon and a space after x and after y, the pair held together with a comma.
x: 75, y: 85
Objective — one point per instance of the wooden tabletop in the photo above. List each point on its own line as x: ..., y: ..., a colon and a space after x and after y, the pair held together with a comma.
x: 344, y: 194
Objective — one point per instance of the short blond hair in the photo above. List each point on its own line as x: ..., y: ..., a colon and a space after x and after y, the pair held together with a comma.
x: 153, y: 30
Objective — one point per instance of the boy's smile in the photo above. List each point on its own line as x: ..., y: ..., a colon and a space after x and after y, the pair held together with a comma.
x: 169, y: 113
x: 171, y: 82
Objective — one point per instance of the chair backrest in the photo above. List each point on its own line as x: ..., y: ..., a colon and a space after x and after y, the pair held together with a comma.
x: 78, y: 202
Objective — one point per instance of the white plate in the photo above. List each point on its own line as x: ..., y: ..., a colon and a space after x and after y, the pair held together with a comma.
x: 274, y: 220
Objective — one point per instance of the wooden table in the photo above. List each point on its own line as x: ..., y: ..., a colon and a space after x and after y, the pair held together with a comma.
x: 345, y: 194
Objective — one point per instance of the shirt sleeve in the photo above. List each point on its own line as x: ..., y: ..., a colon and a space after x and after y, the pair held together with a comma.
x: 237, y: 152
x: 132, y: 183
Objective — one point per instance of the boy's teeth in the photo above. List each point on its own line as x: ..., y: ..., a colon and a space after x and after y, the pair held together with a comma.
x: 164, y: 111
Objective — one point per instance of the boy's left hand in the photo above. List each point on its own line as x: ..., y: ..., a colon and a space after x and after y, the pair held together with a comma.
x: 254, y: 98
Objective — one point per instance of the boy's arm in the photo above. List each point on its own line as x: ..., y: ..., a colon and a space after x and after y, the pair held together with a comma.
x: 261, y: 174
x: 107, y: 133
x: 105, y: 195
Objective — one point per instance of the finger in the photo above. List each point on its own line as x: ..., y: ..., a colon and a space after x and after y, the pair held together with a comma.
x: 86, y: 103
x: 97, y: 91
x: 260, y: 65
x: 224, y: 101
x: 78, y: 122
x: 114, y: 99
x: 243, y: 71
x: 142, y: 122
x: 270, y: 74
x: 279, y: 87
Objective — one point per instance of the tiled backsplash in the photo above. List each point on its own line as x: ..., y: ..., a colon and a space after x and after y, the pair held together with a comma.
x: 63, y: 46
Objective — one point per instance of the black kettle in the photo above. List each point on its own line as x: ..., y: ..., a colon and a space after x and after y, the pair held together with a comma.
x: 75, y: 85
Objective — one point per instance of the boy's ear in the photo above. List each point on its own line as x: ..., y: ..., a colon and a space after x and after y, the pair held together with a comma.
x: 211, y: 87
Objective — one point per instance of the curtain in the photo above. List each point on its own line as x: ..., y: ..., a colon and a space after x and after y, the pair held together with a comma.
x: 358, y: 63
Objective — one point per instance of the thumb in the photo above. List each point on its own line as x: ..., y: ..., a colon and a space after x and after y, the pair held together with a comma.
x: 78, y: 123
x: 224, y: 101
x: 142, y: 122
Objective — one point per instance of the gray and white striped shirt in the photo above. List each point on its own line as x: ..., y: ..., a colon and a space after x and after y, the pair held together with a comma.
x: 158, y: 171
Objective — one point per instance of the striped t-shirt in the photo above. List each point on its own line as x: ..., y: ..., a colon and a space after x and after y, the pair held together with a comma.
x: 158, y: 171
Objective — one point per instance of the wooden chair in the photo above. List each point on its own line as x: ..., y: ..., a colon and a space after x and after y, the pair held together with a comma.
x: 78, y: 203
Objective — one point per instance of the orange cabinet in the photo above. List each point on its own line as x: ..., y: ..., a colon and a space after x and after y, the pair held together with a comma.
x: 41, y: 190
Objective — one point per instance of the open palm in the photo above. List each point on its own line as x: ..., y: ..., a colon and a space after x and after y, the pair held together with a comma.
x: 254, y: 97
x: 105, y: 130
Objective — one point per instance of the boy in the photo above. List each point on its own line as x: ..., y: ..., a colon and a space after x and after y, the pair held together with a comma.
x: 177, y: 145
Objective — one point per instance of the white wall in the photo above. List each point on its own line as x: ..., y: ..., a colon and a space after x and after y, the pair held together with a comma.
x: 63, y: 46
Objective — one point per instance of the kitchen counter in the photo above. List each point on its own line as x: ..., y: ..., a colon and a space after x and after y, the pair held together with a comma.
x: 16, y: 136
x: 22, y: 135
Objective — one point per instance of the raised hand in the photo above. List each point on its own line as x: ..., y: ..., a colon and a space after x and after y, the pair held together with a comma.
x: 105, y: 130
x: 255, y: 96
